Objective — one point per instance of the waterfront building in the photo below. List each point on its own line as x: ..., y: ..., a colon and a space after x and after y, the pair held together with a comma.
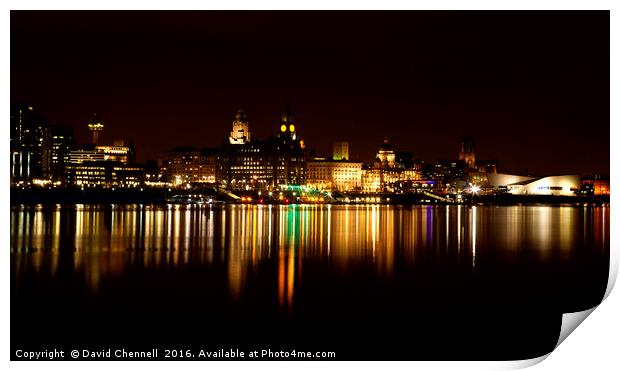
x: 185, y: 165
x: 372, y: 179
x: 104, y: 174
x: 341, y: 151
x: 62, y: 142
x: 500, y: 181
x: 289, y: 153
x: 334, y: 175
x: 85, y: 154
x: 264, y: 164
x: 391, y: 171
x: 29, y: 144
x: 118, y: 152
x: 595, y: 185
x: 559, y: 185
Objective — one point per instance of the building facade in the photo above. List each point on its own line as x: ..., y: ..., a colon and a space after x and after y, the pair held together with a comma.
x: 264, y: 164
x: 104, y: 174
x: 185, y: 165
x: 30, y: 144
x: 334, y: 175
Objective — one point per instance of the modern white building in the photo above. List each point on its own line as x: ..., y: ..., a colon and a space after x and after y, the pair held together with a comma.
x: 559, y: 185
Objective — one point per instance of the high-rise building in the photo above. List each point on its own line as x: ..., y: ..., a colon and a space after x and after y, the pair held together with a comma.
x: 467, y: 153
x: 240, y: 133
x: 62, y: 143
x: 29, y: 143
x: 95, y: 125
x: 341, y: 151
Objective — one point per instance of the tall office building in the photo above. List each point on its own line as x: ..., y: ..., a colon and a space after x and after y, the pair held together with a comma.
x: 29, y: 143
x: 341, y: 151
x: 62, y: 143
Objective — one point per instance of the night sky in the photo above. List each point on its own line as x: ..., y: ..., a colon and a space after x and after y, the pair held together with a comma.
x: 531, y: 88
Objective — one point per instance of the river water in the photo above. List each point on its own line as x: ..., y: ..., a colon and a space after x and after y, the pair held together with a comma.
x: 446, y: 277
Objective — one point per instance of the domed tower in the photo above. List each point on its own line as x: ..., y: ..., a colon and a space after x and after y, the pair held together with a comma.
x: 240, y: 133
x: 386, y: 154
x: 95, y: 125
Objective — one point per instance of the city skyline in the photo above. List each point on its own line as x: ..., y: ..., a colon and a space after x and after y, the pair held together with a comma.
x: 482, y: 79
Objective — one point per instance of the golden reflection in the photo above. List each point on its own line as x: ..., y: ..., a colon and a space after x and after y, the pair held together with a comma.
x: 458, y: 229
x: 473, y: 237
x: 102, y: 242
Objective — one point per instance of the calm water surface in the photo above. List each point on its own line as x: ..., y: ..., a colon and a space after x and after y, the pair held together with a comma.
x: 305, y: 262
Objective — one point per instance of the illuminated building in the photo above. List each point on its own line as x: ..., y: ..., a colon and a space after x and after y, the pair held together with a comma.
x: 265, y: 164
x: 559, y: 185
x: 378, y: 180
x: 386, y: 157
x: 240, y: 133
x: 595, y: 185
x: 61, y: 144
x: 80, y: 156
x: 104, y: 174
x: 29, y: 144
x: 248, y: 166
x: 185, y: 165
x: 289, y: 152
x: 324, y: 174
x: 95, y: 125
x: 392, y: 171
x: 341, y: 151
x: 103, y: 166
x: 467, y: 153
x: 372, y: 180
x: 118, y: 152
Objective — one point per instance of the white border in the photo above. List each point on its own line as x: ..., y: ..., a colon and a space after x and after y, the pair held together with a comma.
x: 594, y: 344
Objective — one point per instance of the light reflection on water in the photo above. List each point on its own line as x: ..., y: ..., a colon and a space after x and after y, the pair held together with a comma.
x: 104, y: 242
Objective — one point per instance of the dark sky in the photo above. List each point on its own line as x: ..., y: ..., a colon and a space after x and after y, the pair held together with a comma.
x: 532, y: 88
